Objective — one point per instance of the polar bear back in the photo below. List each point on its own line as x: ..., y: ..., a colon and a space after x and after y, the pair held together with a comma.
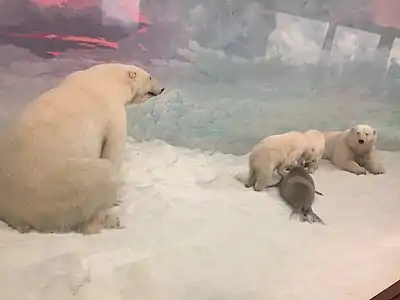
x: 275, y: 148
x: 71, y: 119
x: 57, y: 123
x: 316, y: 139
x: 330, y: 140
x: 104, y: 80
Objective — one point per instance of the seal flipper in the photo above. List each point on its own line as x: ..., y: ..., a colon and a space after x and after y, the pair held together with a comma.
x: 306, y: 216
x: 299, y: 215
x: 312, y: 217
x: 274, y: 185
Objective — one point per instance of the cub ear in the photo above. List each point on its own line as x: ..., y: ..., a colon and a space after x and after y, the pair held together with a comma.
x: 132, y: 74
x: 353, y: 129
x: 374, y: 131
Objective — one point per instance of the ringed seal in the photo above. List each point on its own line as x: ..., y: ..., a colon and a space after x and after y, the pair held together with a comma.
x: 297, y: 189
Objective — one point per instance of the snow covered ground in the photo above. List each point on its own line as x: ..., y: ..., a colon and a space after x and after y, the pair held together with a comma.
x: 193, y: 231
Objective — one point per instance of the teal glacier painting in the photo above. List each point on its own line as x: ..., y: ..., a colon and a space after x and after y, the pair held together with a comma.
x: 235, y: 70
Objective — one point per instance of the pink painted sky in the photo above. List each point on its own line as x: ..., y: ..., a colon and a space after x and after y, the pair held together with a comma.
x: 386, y: 13
x: 74, y: 3
x: 129, y: 6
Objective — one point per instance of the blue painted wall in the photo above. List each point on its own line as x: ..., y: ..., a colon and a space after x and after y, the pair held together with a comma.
x: 236, y: 70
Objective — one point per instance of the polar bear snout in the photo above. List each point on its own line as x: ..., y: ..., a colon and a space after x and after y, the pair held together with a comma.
x: 361, y: 141
x: 155, y: 88
x: 156, y: 93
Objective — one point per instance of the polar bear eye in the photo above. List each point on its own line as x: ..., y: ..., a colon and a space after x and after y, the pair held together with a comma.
x: 366, y: 134
x: 150, y: 78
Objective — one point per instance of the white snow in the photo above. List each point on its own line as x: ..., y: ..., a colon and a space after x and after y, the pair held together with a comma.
x: 194, y: 232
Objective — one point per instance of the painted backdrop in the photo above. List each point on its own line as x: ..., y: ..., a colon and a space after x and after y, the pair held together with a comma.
x: 235, y: 70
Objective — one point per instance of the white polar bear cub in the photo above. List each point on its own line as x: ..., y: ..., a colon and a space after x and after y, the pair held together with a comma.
x: 59, y: 161
x: 277, y: 152
x: 316, y: 140
x: 353, y: 150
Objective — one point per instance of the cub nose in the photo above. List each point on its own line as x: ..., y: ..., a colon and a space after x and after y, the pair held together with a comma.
x: 361, y: 141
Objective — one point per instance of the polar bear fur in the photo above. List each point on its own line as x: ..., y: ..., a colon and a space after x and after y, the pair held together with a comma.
x: 59, y: 161
x: 353, y: 150
x: 316, y: 140
x: 277, y: 152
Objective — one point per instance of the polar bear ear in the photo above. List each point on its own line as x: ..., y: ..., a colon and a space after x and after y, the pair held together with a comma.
x: 132, y: 74
x: 374, y: 131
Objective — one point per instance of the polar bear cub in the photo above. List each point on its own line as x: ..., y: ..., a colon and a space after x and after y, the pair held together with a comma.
x: 277, y: 152
x: 316, y: 140
x: 59, y: 161
x: 353, y: 150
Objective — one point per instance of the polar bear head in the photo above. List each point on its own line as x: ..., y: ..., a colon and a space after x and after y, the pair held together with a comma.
x: 312, y: 157
x: 309, y: 159
x: 362, y: 136
x: 142, y: 84
x: 310, y: 154
x: 128, y: 83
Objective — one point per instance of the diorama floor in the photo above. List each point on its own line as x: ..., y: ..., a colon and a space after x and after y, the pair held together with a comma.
x: 193, y: 231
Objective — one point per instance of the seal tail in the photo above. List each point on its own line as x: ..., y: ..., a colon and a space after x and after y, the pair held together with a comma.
x: 312, y: 217
x: 306, y: 216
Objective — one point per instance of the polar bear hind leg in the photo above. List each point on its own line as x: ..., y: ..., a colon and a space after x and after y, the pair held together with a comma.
x: 90, y: 194
x: 77, y: 197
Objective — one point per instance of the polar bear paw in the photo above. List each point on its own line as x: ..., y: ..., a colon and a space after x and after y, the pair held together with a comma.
x: 377, y: 170
x: 101, y: 220
x: 360, y: 171
x: 111, y: 221
x: 353, y: 167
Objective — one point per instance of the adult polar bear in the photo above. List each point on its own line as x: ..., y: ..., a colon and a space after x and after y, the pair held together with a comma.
x: 353, y: 150
x: 59, y: 161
